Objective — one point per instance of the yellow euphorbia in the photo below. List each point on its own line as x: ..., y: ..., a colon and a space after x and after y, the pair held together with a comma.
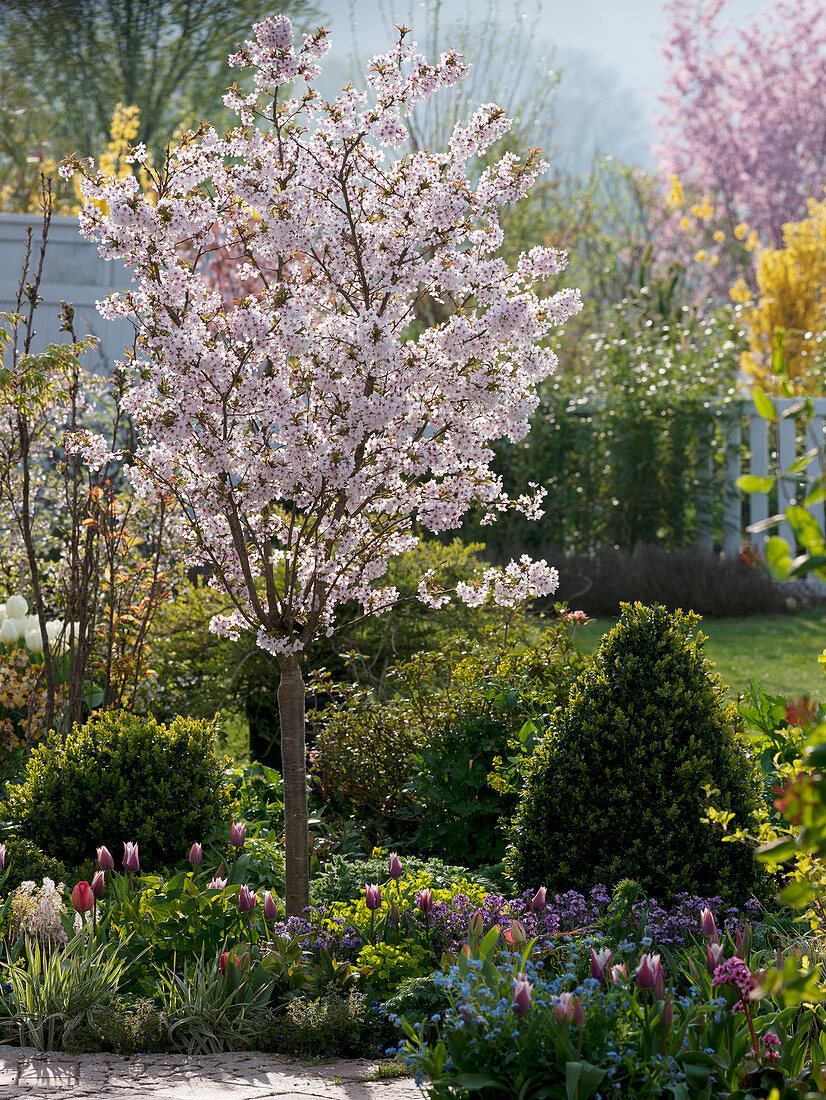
x: 114, y: 162
x: 789, y: 304
x: 676, y: 197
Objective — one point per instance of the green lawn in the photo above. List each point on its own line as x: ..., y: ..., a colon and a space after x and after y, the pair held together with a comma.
x: 779, y: 650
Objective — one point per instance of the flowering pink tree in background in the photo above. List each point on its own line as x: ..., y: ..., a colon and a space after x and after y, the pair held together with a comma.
x: 305, y: 427
x: 745, y: 110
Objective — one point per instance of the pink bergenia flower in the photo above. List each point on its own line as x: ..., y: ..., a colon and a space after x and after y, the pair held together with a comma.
x: 735, y: 972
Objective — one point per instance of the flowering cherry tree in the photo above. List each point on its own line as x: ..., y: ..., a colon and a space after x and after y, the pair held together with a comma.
x: 745, y: 111
x: 305, y: 424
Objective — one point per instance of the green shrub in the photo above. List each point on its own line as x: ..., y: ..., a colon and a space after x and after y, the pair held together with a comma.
x: 616, y: 787
x: 122, y: 777
x: 345, y: 879
x: 335, y: 1024
x: 131, y: 1027
x: 26, y: 863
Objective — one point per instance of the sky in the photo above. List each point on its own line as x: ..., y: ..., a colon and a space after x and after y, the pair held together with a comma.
x: 606, y: 51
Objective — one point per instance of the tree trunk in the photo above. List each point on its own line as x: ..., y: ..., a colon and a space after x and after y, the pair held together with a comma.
x: 294, y: 769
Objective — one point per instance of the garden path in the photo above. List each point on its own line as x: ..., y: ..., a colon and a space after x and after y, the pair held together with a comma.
x: 24, y: 1072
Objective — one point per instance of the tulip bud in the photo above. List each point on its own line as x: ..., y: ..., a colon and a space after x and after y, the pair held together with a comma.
x: 649, y: 971
x: 476, y: 926
x: 579, y: 1013
x: 707, y: 926
x: 522, y: 991
x: 600, y: 962
x: 131, y: 859
x: 270, y: 907
x: 2, y: 856
x: 518, y: 935
x: 538, y: 900
x: 246, y: 900
x: 714, y: 956
x: 16, y: 607
x: 105, y: 861
x: 618, y: 971
x: 564, y: 1008
x: 394, y: 918
x: 98, y: 884
x: 237, y: 833
x: 667, y: 1016
x: 395, y: 869
x: 196, y: 855
x: 742, y: 941
x: 372, y: 896
x: 225, y: 961
x: 424, y: 900
x: 82, y: 897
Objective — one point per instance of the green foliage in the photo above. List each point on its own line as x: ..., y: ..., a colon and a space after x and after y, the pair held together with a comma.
x: 345, y: 879
x: 54, y: 993
x: 616, y: 787
x: 629, y: 445
x: 130, y: 1027
x: 122, y: 777
x: 208, y: 1011
x: 25, y: 862
x: 408, y: 760
x: 334, y: 1025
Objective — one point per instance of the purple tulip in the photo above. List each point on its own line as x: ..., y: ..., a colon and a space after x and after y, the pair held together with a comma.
x: 522, y: 991
x: 237, y: 834
x: 667, y: 1015
x: 372, y: 896
x: 714, y: 956
x: 105, y: 861
x: 538, y: 900
x: 270, y: 908
x: 742, y: 941
x: 579, y: 1014
x: 131, y: 859
x: 650, y: 974
x: 98, y: 884
x: 2, y: 856
x: 564, y: 1008
x: 424, y: 900
x: 246, y: 900
x: 707, y: 926
x: 196, y: 855
x: 600, y: 963
x: 395, y: 870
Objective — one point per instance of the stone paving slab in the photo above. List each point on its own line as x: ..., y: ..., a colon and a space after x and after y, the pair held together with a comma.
x: 25, y: 1072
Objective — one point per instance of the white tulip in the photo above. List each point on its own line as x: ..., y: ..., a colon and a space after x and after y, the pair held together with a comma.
x: 2, y: 611
x: 10, y: 631
x: 31, y: 622
x: 16, y: 607
x: 34, y: 640
x: 54, y: 628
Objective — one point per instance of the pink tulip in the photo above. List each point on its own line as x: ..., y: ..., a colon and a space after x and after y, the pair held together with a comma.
x: 424, y: 900
x: 246, y: 900
x: 2, y: 856
x: 372, y: 896
x: 579, y: 1014
x: 600, y: 962
x: 538, y: 900
x: 82, y: 897
x: 714, y: 956
x: 476, y: 927
x: 237, y: 835
x: 131, y: 859
x: 196, y: 855
x: 667, y: 1016
x: 225, y: 961
x: 707, y: 926
x: 270, y: 907
x: 619, y: 970
x: 564, y: 1008
x: 98, y: 883
x: 217, y: 884
x: 395, y: 869
x: 105, y: 861
x: 517, y: 934
x: 522, y: 991
x: 650, y: 974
